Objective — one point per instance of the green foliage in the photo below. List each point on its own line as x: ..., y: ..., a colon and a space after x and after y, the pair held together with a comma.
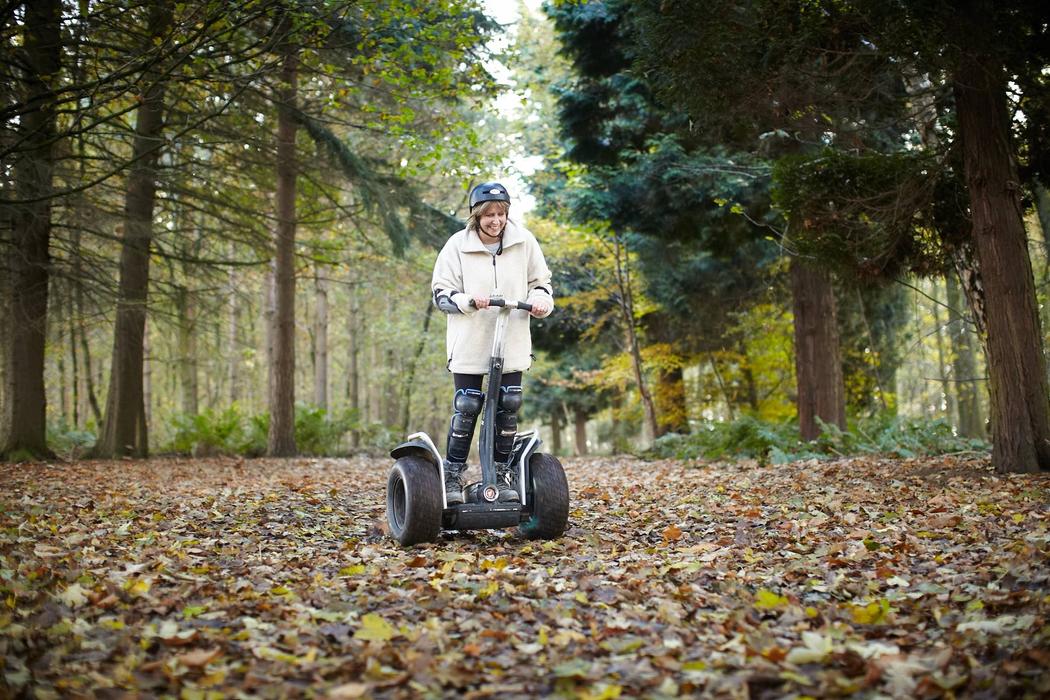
x: 862, y: 214
x: 317, y: 433
x: 68, y: 442
x: 215, y: 432
x: 745, y: 437
x: 778, y: 443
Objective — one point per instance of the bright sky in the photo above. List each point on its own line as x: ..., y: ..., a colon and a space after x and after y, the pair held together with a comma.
x: 506, y: 12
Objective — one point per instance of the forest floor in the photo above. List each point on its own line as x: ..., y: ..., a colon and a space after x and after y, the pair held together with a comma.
x: 275, y: 578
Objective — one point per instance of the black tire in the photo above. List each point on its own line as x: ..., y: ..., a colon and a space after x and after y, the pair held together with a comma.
x: 549, y: 497
x: 413, y: 501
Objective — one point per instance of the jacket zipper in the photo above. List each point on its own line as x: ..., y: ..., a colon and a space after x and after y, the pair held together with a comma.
x: 495, y: 280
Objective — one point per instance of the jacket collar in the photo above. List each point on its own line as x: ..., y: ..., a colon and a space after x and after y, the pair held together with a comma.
x: 512, y: 235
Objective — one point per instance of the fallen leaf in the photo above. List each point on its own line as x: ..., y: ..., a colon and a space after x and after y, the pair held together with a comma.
x: 199, y: 657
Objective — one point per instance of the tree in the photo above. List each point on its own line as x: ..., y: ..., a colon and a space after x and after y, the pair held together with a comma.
x: 1017, y: 366
x: 281, y: 441
x: 715, y: 76
x: 23, y: 427
x: 974, y: 48
x: 124, y: 425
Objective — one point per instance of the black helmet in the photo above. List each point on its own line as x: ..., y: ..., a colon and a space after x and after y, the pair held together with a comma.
x: 488, y: 192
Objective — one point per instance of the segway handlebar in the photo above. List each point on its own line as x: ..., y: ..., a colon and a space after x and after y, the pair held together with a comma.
x: 523, y: 305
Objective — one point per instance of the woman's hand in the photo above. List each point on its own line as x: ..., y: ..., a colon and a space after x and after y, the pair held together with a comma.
x: 540, y: 309
x: 481, y: 302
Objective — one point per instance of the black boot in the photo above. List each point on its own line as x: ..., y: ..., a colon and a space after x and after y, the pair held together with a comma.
x: 507, y: 480
x: 454, y: 483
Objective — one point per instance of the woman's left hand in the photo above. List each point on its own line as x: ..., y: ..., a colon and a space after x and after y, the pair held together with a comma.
x: 540, y: 309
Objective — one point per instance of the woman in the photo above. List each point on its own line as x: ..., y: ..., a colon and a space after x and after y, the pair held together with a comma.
x: 492, y: 256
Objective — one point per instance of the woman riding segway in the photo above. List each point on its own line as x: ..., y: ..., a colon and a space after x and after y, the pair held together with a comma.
x: 489, y: 279
x: 492, y: 257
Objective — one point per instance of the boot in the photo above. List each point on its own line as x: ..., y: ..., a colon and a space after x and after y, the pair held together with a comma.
x: 507, y: 480
x: 454, y: 483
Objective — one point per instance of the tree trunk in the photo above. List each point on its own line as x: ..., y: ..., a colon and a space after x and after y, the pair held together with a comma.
x: 580, y: 422
x: 670, y: 401
x: 124, y: 426
x: 321, y: 339
x: 187, y: 361
x: 353, y: 380
x: 556, y: 419
x: 750, y: 386
x: 85, y: 348
x: 818, y: 368
x: 623, y: 279
x: 74, y: 361
x: 147, y: 373
x: 1020, y: 409
x: 55, y: 320
x: 410, y: 374
x: 947, y: 391
x: 281, y: 441
x: 730, y: 403
x: 964, y: 363
x: 1042, y: 207
x: 269, y: 319
x: 23, y: 428
x: 233, y: 367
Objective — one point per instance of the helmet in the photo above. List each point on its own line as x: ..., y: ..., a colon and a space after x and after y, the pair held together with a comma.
x: 488, y: 192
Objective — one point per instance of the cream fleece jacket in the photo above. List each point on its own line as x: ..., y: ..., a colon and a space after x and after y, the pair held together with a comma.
x: 465, y: 269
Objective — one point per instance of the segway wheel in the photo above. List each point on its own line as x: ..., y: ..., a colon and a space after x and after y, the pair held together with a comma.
x: 550, y: 499
x: 413, y: 501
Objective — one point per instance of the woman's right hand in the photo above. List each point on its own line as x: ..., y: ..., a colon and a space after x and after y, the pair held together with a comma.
x: 481, y: 302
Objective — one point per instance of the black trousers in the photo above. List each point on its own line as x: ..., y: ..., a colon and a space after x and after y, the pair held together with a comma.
x: 473, y: 381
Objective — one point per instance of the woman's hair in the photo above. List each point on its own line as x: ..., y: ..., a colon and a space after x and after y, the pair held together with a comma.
x: 474, y: 221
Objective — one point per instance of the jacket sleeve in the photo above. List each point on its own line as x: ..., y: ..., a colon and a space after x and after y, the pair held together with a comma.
x: 447, y: 282
x: 539, y: 277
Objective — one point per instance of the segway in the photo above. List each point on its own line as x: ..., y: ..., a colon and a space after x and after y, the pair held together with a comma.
x: 416, y: 508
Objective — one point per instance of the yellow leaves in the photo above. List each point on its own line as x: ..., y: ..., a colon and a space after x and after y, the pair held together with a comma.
x: 375, y: 628
x: 271, y: 654
x: 873, y: 613
x: 768, y: 600
x: 491, y: 588
x: 138, y: 587
x: 352, y: 570
x: 494, y: 564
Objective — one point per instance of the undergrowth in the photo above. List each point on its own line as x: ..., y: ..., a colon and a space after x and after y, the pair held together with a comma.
x: 779, y: 443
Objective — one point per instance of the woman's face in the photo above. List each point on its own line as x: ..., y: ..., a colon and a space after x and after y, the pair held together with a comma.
x: 492, y: 221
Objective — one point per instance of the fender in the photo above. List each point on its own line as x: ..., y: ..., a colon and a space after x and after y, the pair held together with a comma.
x: 420, y: 445
x: 525, y: 445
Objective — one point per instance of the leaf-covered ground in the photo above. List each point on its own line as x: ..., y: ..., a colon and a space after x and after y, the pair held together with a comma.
x: 228, y: 578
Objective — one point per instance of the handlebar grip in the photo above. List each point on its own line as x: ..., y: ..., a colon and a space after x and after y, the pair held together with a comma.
x: 524, y: 306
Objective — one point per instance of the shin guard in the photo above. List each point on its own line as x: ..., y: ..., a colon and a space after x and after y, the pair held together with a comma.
x: 467, y: 405
x: 506, y: 422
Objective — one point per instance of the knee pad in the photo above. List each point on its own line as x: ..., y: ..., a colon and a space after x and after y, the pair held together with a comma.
x: 507, y: 421
x: 466, y: 405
